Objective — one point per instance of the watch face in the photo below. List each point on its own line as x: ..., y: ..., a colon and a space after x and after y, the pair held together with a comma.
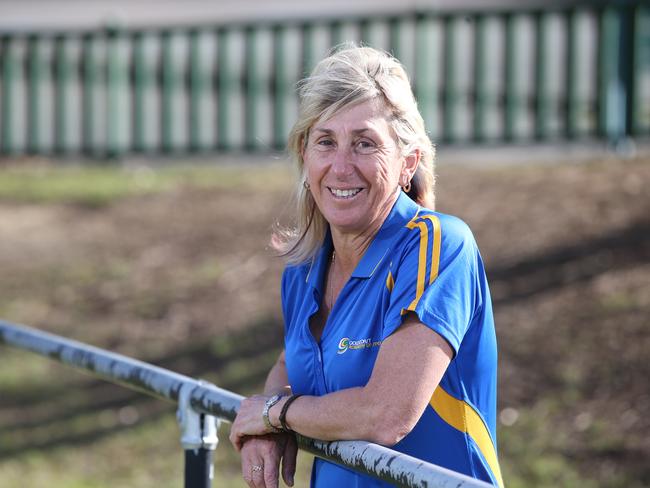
x: 265, y: 412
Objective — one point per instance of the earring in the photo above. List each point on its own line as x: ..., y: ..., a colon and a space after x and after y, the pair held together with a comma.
x: 407, y: 187
x: 306, y: 184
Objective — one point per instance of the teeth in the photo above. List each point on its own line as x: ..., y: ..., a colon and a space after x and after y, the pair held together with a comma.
x: 345, y: 193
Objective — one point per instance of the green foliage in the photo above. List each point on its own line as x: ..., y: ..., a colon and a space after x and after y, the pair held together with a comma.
x: 89, y: 186
x: 97, y: 186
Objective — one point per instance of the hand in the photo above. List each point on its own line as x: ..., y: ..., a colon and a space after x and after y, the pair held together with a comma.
x: 249, y: 421
x: 260, y: 460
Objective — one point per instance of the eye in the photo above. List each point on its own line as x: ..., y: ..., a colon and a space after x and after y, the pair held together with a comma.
x: 324, y: 143
x: 365, y: 146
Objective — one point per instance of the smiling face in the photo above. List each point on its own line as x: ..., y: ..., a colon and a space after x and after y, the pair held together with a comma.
x: 354, y: 166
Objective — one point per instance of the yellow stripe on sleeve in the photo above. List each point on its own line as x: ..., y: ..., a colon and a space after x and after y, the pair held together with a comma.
x: 435, y: 253
x: 461, y: 416
x: 422, y: 261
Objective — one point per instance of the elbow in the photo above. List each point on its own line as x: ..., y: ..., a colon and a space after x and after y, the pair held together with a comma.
x: 389, y: 428
x: 390, y: 436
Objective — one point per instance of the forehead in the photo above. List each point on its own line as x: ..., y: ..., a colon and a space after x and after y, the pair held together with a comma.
x: 370, y: 114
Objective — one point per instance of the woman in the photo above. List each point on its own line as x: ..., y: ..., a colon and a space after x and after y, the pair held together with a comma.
x: 389, y: 335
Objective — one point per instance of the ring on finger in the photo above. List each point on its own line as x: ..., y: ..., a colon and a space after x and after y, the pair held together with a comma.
x: 256, y: 468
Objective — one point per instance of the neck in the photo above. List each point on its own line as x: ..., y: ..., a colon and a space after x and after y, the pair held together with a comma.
x: 350, y: 246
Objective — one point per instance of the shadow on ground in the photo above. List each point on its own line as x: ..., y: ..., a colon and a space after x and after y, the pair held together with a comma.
x: 571, y: 265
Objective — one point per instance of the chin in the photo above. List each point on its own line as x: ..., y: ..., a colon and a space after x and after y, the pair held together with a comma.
x: 350, y: 224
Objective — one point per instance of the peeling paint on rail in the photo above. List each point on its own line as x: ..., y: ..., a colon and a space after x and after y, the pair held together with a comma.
x: 388, y: 465
x: 366, y: 457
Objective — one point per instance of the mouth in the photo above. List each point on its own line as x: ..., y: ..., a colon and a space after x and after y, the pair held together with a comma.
x: 345, y: 194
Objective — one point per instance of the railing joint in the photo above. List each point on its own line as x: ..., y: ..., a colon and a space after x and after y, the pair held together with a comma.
x: 197, y: 430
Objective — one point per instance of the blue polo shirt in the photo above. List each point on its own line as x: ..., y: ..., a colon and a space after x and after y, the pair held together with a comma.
x: 423, y: 262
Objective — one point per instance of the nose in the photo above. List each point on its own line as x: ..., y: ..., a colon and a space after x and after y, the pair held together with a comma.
x: 341, y: 163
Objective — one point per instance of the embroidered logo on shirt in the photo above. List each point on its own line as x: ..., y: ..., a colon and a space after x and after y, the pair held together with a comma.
x: 346, y: 343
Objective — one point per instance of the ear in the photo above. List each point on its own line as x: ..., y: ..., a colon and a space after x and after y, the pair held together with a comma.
x: 410, y: 163
x: 302, y: 147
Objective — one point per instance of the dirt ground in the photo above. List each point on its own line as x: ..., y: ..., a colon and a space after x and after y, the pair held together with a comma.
x: 566, y: 247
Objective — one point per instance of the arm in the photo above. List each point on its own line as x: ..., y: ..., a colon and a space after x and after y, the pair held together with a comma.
x: 277, y: 381
x: 267, y: 450
x: 384, y: 410
x: 409, y: 367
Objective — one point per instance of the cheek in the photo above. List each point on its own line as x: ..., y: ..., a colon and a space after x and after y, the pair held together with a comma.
x: 313, y: 169
x: 384, y: 173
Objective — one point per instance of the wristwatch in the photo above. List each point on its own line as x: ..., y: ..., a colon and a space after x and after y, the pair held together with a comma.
x: 265, y: 413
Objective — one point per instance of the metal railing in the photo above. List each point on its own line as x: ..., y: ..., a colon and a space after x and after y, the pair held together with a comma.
x: 202, y: 405
x: 541, y: 71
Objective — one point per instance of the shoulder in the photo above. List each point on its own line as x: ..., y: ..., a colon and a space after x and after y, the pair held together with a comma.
x: 293, y: 286
x: 296, y: 274
x: 447, y: 231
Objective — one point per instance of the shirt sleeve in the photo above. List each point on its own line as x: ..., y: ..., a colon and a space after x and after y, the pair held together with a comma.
x: 436, y: 278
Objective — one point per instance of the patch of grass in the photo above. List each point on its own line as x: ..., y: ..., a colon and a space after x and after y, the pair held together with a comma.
x: 620, y: 301
x: 20, y: 368
x: 531, y: 453
x: 94, y: 186
x: 540, y: 450
x: 89, y: 186
x: 146, y: 454
x: 207, y: 271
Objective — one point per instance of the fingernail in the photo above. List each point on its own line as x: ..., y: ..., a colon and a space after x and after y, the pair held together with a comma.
x: 290, y: 480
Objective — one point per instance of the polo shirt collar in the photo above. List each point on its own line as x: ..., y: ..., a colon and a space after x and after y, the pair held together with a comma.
x: 402, y: 212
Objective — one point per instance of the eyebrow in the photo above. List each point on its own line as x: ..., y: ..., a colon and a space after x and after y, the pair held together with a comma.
x: 355, y: 131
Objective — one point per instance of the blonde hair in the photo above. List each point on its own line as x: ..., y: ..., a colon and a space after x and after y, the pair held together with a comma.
x: 352, y: 75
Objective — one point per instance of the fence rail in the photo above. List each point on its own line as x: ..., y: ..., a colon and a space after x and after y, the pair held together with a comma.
x: 372, y: 459
x: 562, y: 72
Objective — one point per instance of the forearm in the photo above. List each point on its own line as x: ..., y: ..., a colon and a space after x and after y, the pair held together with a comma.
x: 390, y: 404
x: 277, y: 381
x: 382, y: 411
x: 353, y: 413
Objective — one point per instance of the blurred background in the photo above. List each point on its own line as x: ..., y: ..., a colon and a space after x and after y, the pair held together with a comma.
x: 142, y: 171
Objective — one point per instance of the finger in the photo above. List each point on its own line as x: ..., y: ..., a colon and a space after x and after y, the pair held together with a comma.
x: 247, y: 471
x: 257, y: 474
x: 236, y: 439
x: 271, y: 475
x: 253, y: 473
x: 232, y: 438
x: 236, y: 442
x: 289, y: 460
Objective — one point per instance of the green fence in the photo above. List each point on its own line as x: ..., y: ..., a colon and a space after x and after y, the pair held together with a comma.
x: 561, y: 73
